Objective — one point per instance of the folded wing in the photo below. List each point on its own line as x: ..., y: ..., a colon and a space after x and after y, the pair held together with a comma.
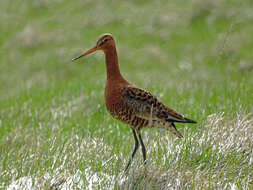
x: 147, y: 106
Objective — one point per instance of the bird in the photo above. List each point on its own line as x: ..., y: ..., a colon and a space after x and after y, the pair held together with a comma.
x: 130, y: 104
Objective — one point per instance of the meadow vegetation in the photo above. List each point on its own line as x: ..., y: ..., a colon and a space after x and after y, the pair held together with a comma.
x: 196, y: 56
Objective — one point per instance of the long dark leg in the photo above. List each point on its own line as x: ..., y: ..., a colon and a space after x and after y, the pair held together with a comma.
x: 143, y: 148
x: 135, y: 149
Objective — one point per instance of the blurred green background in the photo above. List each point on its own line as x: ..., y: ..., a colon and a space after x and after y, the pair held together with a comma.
x: 196, y: 56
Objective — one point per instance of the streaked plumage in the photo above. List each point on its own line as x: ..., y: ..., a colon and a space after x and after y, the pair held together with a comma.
x: 130, y: 104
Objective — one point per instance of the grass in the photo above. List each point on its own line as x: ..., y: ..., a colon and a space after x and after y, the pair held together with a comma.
x: 55, y: 132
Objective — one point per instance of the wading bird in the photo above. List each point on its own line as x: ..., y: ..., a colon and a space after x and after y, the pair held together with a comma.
x: 130, y: 104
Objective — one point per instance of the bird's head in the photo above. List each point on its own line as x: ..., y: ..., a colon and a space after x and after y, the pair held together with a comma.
x: 104, y: 42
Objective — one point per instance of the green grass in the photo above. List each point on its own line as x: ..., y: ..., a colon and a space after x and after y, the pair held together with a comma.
x: 196, y: 56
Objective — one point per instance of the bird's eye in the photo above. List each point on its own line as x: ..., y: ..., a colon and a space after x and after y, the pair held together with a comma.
x: 105, y: 40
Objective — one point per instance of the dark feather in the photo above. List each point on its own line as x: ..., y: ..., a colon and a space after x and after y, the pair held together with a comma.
x: 147, y: 106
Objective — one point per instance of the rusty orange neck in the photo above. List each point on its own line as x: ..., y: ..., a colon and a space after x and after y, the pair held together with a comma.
x: 112, y: 65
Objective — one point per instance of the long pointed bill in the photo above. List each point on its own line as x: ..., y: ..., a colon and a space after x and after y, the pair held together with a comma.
x: 86, y: 53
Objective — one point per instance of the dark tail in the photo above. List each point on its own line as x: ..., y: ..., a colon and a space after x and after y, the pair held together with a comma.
x: 189, y: 121
x: 174, y: 130
x: 185, y: 120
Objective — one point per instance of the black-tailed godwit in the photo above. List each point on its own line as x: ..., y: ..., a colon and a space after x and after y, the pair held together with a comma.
x: 130, y: 104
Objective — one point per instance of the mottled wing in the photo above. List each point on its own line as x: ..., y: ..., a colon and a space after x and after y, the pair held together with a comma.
x: 147, y: 106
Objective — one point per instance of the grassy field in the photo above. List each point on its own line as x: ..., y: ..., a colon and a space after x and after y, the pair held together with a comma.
x: 55, y: 132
